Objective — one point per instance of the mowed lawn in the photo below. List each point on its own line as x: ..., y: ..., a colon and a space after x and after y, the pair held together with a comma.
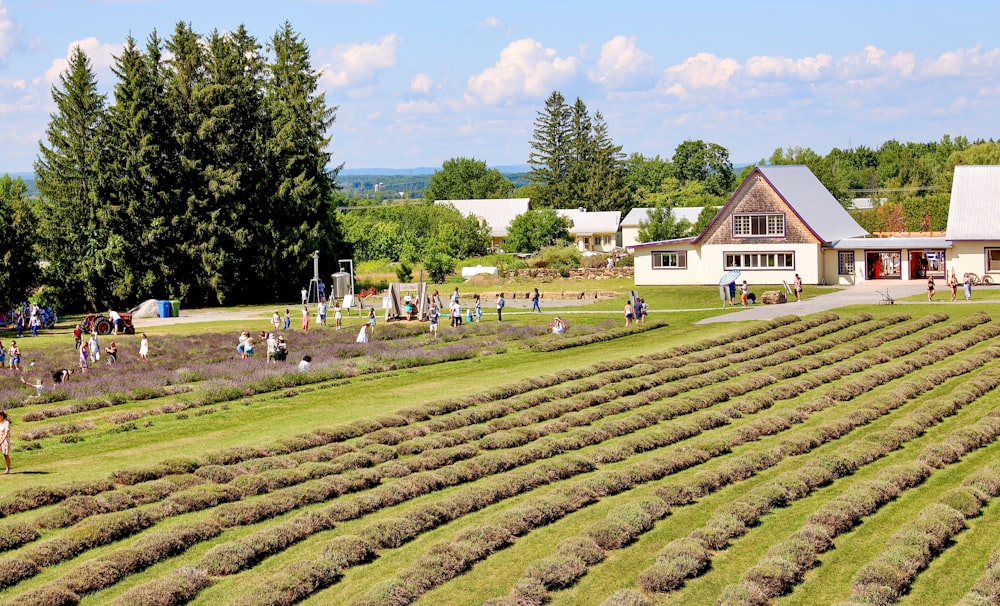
x: 668, y: 464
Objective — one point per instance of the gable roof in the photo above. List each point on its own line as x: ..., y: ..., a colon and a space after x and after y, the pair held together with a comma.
x: 587, y: 223
x: 805, y: 196
x: 974, y: 211
x: 495, y: 212
x: 688, y: 213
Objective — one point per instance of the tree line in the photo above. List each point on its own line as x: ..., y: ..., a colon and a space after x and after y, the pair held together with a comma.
x: 204, y: 177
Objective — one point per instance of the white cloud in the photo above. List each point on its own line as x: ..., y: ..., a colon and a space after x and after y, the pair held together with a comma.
x: 703, y: 70
x: 358, y: 64
x: 421, y: 83
x: 963, y: 62
x: 492, y: 22
x: 10, y: 33
x: 621, y: 63
x: 525, y: 69
x: 806, y: 68
x: 101, y: 55
x: 422, y: 106
x: 873, y: 63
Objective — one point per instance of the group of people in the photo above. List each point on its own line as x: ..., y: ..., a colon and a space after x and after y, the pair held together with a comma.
x: 276, y: 347
x: 28, y: 315
x: 953, y: 285
x: 635, y: 312
x: 13, y: 353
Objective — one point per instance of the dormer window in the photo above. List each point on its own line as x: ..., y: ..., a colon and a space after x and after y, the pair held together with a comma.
x: 759, y: 224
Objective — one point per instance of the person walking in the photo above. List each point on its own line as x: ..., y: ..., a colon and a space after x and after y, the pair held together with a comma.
x: 84, y: 356
x: 305, y: 296
x: 744, y: 294
x: 535, y: 296
x: 338, y: 315
x: 968, y: 286
x: 629, y: 313
x: 288, y: 319
x: 501, y: 303
x: 434, y: 316
x: 94, y: 348
x: 479, y: 308
x: 77, y: 337
x: 930, y: 288
x: 321, y: 312
x: 305, y: 317
x: 953, y: 284
x: 371, y: 323
x: 5, y: 439
x: 797, y: 287
x: 3, y: 356
x: 275, y: 320
x: 144, y: 347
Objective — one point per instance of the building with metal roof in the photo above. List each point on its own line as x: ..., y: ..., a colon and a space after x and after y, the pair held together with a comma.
x: 495, y: 212
x: 974, y: 221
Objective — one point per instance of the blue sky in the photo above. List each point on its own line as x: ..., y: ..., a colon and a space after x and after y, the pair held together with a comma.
x: 417, y: 83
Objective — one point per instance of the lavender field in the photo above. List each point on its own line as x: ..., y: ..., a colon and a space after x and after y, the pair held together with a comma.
x: 841, y: 458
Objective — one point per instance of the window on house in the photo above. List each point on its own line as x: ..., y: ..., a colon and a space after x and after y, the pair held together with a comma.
x: 669, y: 260
x: 993, y: 259
x: 845, y: 262
x: 763, y: 224
x: 763, y: 260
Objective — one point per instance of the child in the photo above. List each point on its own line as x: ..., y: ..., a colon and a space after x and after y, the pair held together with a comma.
x: 434, y: 316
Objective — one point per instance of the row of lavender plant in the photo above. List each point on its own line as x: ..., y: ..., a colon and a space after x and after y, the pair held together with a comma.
x: 600, y: 488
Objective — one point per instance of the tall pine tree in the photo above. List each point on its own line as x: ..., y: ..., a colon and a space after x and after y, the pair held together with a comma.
x: 301, y: 217
x: 606, y: 187
x: 74, y: 227
x: 135, y: 174
x: 549, y: 156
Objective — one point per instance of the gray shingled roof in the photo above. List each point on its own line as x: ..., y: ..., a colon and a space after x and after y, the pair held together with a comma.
x: 814, y: 204
x: 974, y: 212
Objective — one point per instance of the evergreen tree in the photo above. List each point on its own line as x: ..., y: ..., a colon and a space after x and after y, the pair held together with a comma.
x: 580, y: 159
x: 73, y: 223
x: 606, y: 187
x: 184, y: 202
x: 549, y: 156
x: 18, y: 261
x: 231, y: 101
x: 134, y: 175
x: 301, y: 214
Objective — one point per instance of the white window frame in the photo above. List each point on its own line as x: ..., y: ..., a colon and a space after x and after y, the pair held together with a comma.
x: 845, y: 262
x: 759, y: 260
x: 679, y: 257
x: 758, y: 225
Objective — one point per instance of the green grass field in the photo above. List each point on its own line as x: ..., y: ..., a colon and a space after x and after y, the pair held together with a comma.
x: 847, y: 457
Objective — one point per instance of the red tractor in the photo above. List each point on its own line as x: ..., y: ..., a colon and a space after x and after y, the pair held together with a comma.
x: 103, y: 326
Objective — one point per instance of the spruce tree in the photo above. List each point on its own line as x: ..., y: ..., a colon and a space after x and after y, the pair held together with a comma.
x: 74, y: 227
x: 184, y: 196
x: 579, y: 160
x: 549, y: 156
x: 606, y: 187
x: 135, y: 175
x: 301, y: 217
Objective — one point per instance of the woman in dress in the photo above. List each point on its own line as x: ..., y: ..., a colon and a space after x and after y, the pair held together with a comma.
x: 305, y: 317
x: 363, y: 333
x: 5, y: 439
x: 144, y: 347
x: 338, y: 315
x: 84, y: 356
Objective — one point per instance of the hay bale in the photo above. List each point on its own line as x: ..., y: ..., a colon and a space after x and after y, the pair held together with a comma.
x: 772, y: 297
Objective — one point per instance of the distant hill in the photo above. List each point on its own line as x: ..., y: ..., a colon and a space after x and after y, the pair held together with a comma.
x: 422, y: 170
